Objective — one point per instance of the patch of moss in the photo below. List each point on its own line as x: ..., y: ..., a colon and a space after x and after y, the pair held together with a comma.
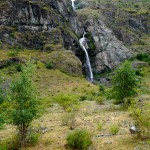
x: 91, y: 41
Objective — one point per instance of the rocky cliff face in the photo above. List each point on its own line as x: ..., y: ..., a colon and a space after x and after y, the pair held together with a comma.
x: 109, y: 52
x: 34, y: 24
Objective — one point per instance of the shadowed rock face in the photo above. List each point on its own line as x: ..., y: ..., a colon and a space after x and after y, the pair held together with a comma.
x: 43, y: 15
x: 51, y: 18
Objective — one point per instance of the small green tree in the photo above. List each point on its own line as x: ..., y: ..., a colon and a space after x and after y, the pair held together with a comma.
x: 24, y: 103
x: 1, y: 91
x: 124, y: 83
x: 1, y: 101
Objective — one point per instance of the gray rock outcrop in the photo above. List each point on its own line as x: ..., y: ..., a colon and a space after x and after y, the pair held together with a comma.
x: 109, y: 52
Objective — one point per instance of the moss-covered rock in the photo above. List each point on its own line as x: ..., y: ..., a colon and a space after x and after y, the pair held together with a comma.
x: 65, y: 61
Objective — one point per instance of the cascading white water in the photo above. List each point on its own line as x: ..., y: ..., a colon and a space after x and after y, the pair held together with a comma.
x: 82, y: 44
x: 73, y: 5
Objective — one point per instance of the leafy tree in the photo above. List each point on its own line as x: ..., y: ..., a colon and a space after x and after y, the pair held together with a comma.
x: 24, y: 101
x: 1, y: 101
x: 124, y: 83
x: 1, y: 91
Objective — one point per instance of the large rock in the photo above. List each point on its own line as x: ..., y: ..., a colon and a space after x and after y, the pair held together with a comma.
x: 109, y: 52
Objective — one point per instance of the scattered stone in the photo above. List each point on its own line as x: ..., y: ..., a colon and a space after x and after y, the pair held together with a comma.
x: 137, y: 64
x: 103, y: 135
x: 108, y: 142
x: 72, y: 127
x: 133, y: 130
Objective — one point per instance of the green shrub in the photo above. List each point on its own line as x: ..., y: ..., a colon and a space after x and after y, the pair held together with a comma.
x: 99, y: 100
x: 79, y: 139
x: 18, y: 67
x: 66, y: 101
x: 10, y: 143
x: 83, y: 98
x: 3, y: 147
x: 99, y: 126
x: 13, y: 53
x: 114, y: 129
x: 32, y: 139
x: 102, y: 88
x: 49, y: 65
x: 68, y: 119
x: 41, y: 65
x: 143, y: 57
x: 141, y: 114
x: 52, y: 47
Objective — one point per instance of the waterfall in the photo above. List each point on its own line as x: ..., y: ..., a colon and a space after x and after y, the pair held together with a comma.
x: 73, y: 5
x: 82, y: 44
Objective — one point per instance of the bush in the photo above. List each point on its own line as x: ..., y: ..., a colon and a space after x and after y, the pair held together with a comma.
x: 102, y: 88
x: 141, y: 115
x: 143, y: 57
x: 124, y: 83
x: 114, y: 129
x: 68, y: 119
x: 99, y: 126
x: 52, y: 47
x: 66, y: 101
x: 83, y: 98
x: 32, y: 139
x: 99, y: 100
x: 40, y: 65
x: 10, y: 143
x: 49, y: 65
x: 3, y: 147
x: 79, y: 139
x: 18, y: 67
x: 13, y: 53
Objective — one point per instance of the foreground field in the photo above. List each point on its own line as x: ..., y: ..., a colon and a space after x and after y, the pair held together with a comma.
x: 56, y: 122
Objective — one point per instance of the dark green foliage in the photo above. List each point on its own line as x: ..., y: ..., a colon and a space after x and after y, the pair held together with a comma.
x: 18, y: 67
x: 1, y: 92
x: 138, y: 72
x: 49, y: 65
x: 124, y: 83
x: 2, y: 97
x: 102, y: 88
x: 83, y: 98
x: 24, y: 102
x: 3, y: 147
x: 143, y: 57
x: 91, y: 41
x: 79, y: 139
